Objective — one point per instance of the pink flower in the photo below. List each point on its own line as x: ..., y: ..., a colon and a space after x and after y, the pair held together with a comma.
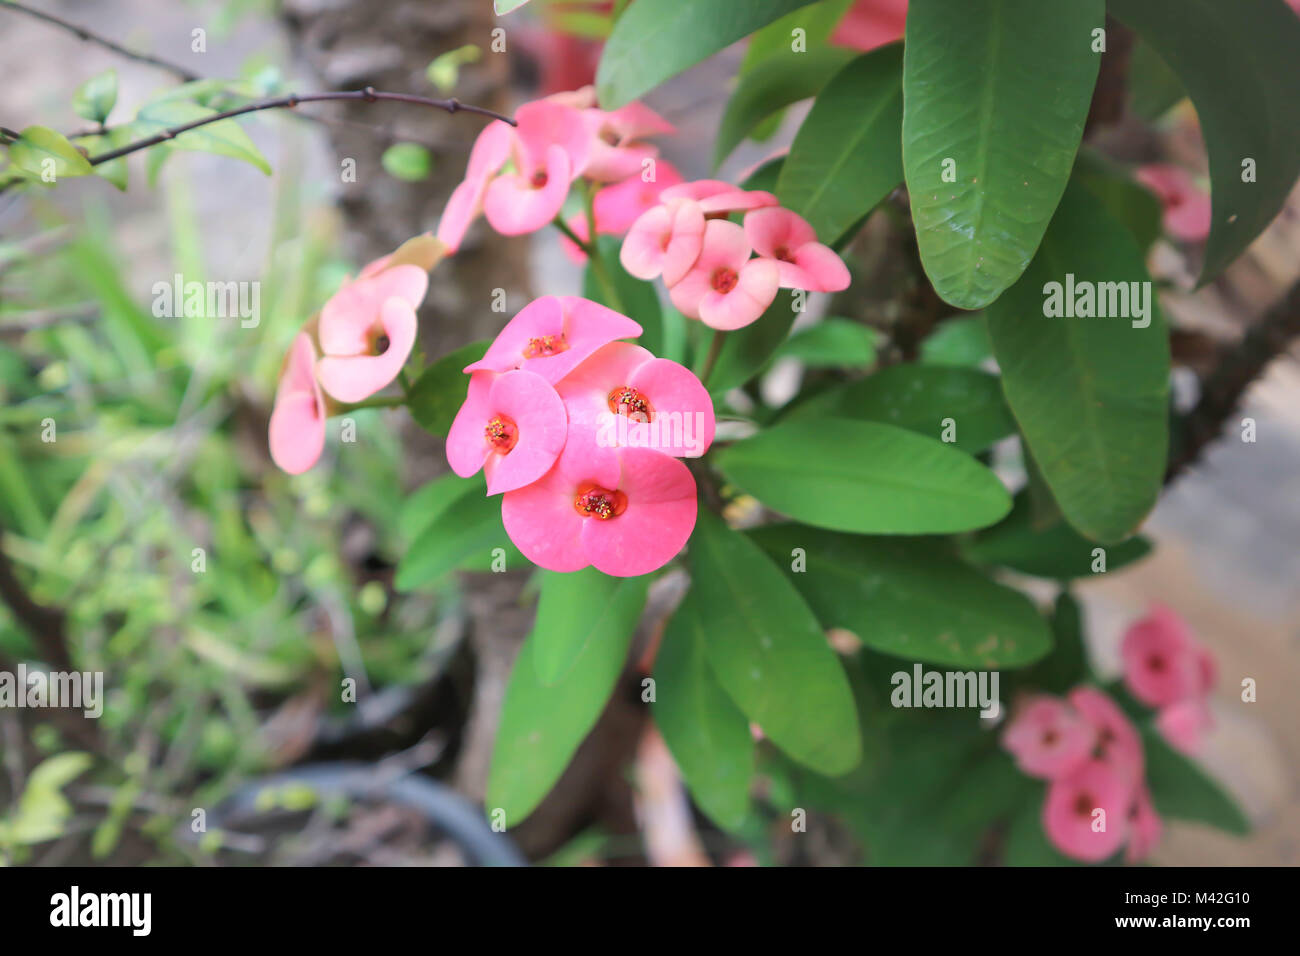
x: 1186, y: 206
x: 1144, y: 826
x: 615, y: 208
x: 1048, y: 738
x: 626, y: 511
x: 550, y: 148
x: 1070, y: 814
x: 1118, y: 744
x: 553, y: 335
x: 1163, y: 664
x: 512, y: 425
x: 725, y: 288
x: 871, y: 23
x: 367, y: 330
x: 297, y: 431
x: 803, y: 262
x: 665, y: 240
x: 718, y: 198
x: 615, y: 151
x: 489, y: 154
x: 1184, y: 724
x: 623, y: 395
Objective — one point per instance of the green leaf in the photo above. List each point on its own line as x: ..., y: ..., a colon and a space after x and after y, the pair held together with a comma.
x: 656, y: 39
x: 961, y: 340
x: 1090, y: 394
x: 1055, y: 551
x: 707, y: 734
x: 1026, y: 843
x: 773, y: 84
x: 817, y: 20
x: 114, y: 170
x: 866, y: 477
x: 468, y: 526
x: 580, y: 607
x: 438, y: 393
x: 833, y: 343
x: 1067, y: 666
x: 909, y: 597
x: 847, y: 156
x: 1249, y: 109
x: 423, y: 507
x: 95, y: 98
x: 765, y: 176
x: 1180, y: 790
x: 747, y: 352
x: 409, y: 162
x: 1134, y: 206
x: 1000, y: 88
x: 223, y: 138
x: 443, y: 71
x: 768, y: 652
x: 505, y: 6
x: 931, y: 400
x: 542, y: 726
x: 637, y: 299
x: 1154, y: 89
x: 47, y: 155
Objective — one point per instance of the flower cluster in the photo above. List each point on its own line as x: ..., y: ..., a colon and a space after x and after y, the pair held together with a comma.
x: 354, y: 347
x: 580, y: 432
x: 705, y: 258
x: 519, y: 177
x: 1091, y: 756
x: 1167, y: 668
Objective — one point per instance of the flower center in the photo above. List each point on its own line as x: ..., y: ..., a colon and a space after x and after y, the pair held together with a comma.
x: 783, y: 253
x: 1083, y: 805
x: 545, y: 345
x: 1049, y: 738
x: 626, y: 400
x: 378, y: 340
x: 593, y: 501
x: 1156, y: 663
x: 724, y: 279
x: 501, y: 434
x: 539, y: 179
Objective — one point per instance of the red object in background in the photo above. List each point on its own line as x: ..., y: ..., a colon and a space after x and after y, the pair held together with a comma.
x: 564, y: 61
x: 871, y: 23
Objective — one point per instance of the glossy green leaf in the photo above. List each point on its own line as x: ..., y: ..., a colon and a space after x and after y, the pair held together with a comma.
x: 223, y: 138
x: 632, y: 297
x: 783, y: 78
x: 867, y: 477
x: 910, y: 598
x: 962, y: 340
x: 656, y: 39
x: 995, y: 96
x: 963, y: 404
x: 468, y: 526
x: 95, y: 98
x: 541, y: 727
x: 1154, y: 89
x: 817, y: 21
x: 1125, y: 199
x: 1181, y: 790
x: 847, y: 156
x: 47, y: 155
x: 1249, y: 109
x: 1090, y: 394
x: 438, y: 393
x: 707, y: 734
x: 579, y: 607
x: 833, y: 343
x: 424, y: 506
x: 1055, y: 551
x: 768, y: 652
x: 409, y: 162
x: 1067, y: 666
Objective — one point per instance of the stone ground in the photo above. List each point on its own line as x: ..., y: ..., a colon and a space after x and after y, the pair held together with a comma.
x: 1226, y: 533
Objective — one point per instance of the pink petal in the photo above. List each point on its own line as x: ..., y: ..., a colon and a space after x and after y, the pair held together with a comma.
x: 1185, y: 724
x: 642, y: 254
x: 466, y: 447
x: 774, y: 230
x: 660, y: 515
x: 514, y: 206
x: 490, y: 151
x: 610, y: 164
x: 544, y: 124
x: 531, y: 402
x: 683, y: 422
x: 543, y: 524
x: 463, y: 207
x: 1047, y: 737
x: 618, y: 206
x: 350, y: 315
x: 585, y: 390
x: 1162, y: 664
x: 637, y: 121
x: 352, y: 378
x: 716, y: 196
x: 1068, y: 812
x: 1119, y: 745
x: 821, y: 270
x: 687, y: 242
x: 1145, y: 827
x: 297, y: 430
x: 871, y: 23
x: 754, y: 292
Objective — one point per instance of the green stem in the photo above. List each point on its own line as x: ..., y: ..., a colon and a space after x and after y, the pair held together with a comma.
x: 379, y: 401
x: 715, y: 349
x: 597, y: 265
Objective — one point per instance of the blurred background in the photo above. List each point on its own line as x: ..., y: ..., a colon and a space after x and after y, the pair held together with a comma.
x: 225, y: 603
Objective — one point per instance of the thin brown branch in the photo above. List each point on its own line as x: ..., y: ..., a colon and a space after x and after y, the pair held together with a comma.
x: 292, y: 100
x: 92, y: 37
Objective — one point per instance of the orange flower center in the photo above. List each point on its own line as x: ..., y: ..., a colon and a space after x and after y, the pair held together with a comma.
x: 545, y: 345
x: 626, y: 400
x: 501, y: 433
x: 593, y: 501
x: 724, y: 280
